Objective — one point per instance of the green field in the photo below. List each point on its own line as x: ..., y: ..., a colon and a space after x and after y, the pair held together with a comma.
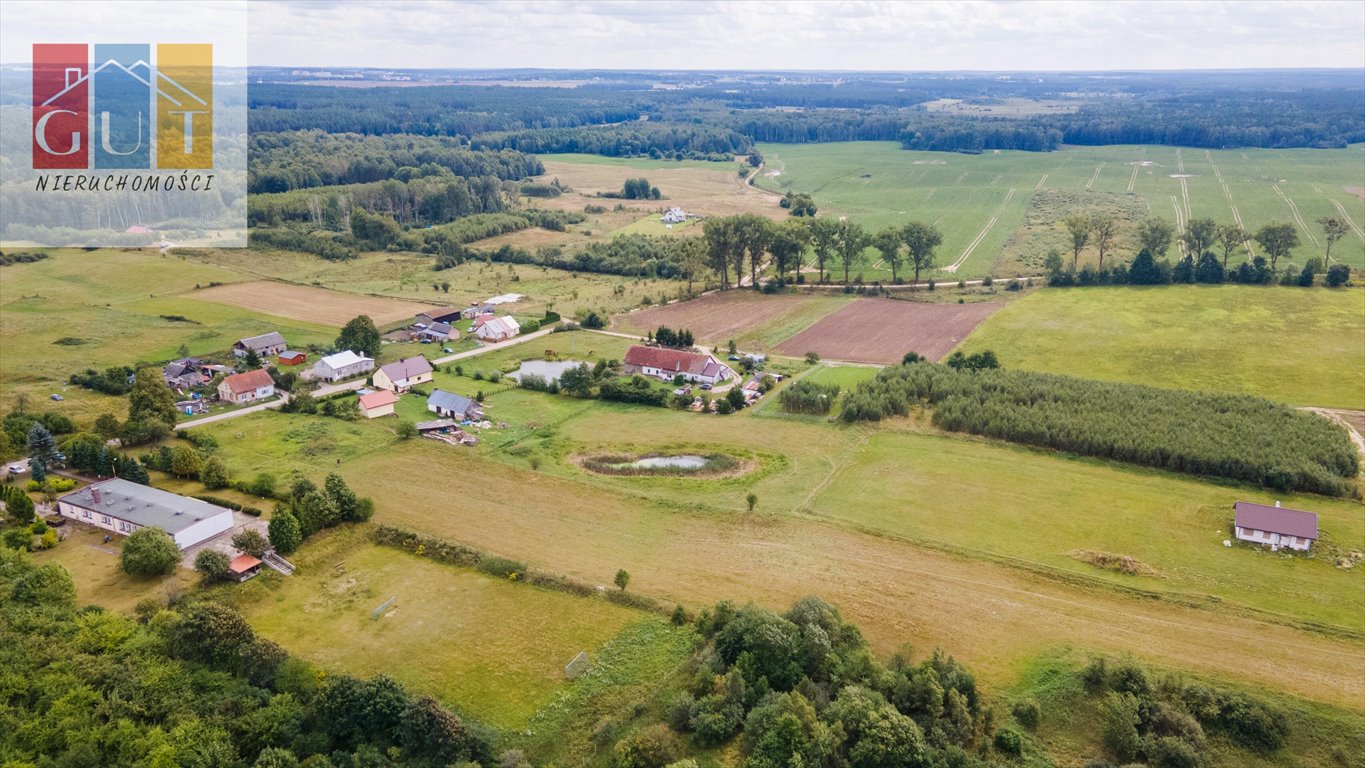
x: 991, y: 195
x: 491, y: 648
x: 1301, y: 346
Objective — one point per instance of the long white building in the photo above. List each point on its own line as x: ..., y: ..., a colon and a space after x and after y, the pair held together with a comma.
x: 122, y: 506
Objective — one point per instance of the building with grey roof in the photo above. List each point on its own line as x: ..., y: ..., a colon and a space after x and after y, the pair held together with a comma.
x: 122, y: 506
x: 451, y: 405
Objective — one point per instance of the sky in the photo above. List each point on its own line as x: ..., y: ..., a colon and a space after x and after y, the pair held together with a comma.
x: 725, y: 34
x: 744, y: 34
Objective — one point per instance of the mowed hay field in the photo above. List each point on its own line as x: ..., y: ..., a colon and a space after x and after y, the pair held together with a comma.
x: 317, y: 305
x: 1295, y: 345
x: 883, y: 330
x: 96, y: 309
x: 873, y: 519
x: 981, y: 202
x: 755, y: 321
x: 494, y: 648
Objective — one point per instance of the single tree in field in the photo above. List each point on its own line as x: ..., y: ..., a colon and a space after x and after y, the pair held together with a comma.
x: 1154, y: 235
x: 888, y: 243
x: 1231, y: 237
x: 1102, y: 228
x: 1078, y: 227
x: 1277, y: 239
x: 921, y: 239
x: 852, y: 241
x: 212, y: 565
x: 1333, y: 229
x: 621, y: 580
x: 285, y: 535
x: 751, y: 500
x: 824, y: 237
x: 789, y: 240
x: 1199, y: 236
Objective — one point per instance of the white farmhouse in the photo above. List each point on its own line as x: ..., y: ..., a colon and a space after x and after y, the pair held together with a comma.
x: 123, y: 506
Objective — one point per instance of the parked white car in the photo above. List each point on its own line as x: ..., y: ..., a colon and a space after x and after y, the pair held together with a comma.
x: 18, y: 467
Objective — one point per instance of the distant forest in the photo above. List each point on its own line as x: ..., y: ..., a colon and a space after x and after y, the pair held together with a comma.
x: 711, y: 116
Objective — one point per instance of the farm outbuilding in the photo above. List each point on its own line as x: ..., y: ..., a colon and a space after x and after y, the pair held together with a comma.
x: 498, y: 329
x: 292, y: 357
x: 1276, y: 526
x: 122, y: 506
x: 451, y: 405
x: 264, y: 345
x: 243, y: 567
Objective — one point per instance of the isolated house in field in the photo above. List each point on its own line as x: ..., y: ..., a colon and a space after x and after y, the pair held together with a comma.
x: 378, y: 403
x: 665, y: 364
x: 122, y: 506
x: 342, y: 365
x: 292, y: 357
x: 404, y: 374
x: 440, y: 315
x: 674, y: 215
x: 246, y: 387
x: 498, y: 329
x: 437, y: 332
x: 1275, y: 527
x: 265, y: 345
x: 452, y: 406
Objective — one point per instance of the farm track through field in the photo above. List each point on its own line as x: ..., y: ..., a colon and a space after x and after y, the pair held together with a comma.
x: 997, y: 179
x: 1179, y: 161
x: 1179, y: 225
x: 1093, y: 177
x: 1132, y: 178
x: 960, y: 178
x: 981, y: 236
x: 1185, y: 196
x: 1294, y: 211
x: 1354, y: 226
x: 1236, y: 215
x: 1041, y: 181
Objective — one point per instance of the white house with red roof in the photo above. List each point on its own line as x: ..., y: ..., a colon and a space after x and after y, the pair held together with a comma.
x: 378, y: 403
x: 246, y: 387
x: 1276, y: 526
x: 664, y: 363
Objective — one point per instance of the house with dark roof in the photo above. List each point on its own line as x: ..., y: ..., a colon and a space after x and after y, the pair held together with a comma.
x: 438, y: 315
x: 402, y: 375
x: 1276, y: 526
x: 122, y: 506
x: 663, y: 363
x: 453, y: 406
x: 246, y: 387
x: 266, y: 344
x: 184, y: 374
x: 437, y: 332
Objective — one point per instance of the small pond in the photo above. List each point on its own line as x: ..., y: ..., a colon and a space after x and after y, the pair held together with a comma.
x: 669, y: 462
x: 550, y: 371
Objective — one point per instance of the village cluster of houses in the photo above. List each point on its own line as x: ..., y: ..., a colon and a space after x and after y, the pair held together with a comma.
x: 438, y: 325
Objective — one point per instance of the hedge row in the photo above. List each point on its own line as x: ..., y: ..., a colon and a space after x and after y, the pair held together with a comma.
x: 458, y: 554
x: 230, y: 504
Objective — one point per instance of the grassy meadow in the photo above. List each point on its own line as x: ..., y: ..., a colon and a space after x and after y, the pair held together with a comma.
x: 982, y: 203
x: 1300, y: 346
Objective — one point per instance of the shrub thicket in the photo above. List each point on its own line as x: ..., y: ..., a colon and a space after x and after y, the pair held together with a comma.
x: 1238, y: 437
x: 808, y: 397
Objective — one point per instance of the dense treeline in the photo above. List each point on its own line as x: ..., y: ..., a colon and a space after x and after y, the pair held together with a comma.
x: 808, y: 397
x: 1238, y: 437
x: 297, y: 160
x: 417, y: 202
x: 191, y: 685
x: 629, y: 255
x: 675, y: 141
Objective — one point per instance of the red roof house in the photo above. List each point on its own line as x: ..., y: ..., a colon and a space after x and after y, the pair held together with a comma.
x: 378, y: 403
x: 665, y: 363
x: 245, y: 387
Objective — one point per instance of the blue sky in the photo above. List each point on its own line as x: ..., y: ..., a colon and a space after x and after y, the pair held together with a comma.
x: 733, y: 34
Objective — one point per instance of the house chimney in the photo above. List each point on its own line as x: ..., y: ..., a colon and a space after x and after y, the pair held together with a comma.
x: 95, y: 494
x: 73, y: 76
x: 1277, y: 503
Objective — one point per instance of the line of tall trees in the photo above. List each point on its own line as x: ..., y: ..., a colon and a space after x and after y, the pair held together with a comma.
x: 1210, y: 253
x: 1238, y: 437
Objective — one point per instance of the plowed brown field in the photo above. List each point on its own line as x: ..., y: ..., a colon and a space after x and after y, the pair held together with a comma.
x: 883, y: 330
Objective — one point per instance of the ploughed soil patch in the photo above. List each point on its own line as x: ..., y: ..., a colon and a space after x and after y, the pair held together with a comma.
x: 655, y: 464
x: 876, y: 330
x: 715, y: 317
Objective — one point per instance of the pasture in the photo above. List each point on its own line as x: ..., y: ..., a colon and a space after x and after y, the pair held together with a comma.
x: 883, y: 330
x: 913, y: 534
x: 78, y: 310
x: 493, y: 648
x: 1295, y: 345
x: 981, y: 203
x: 316, y: 305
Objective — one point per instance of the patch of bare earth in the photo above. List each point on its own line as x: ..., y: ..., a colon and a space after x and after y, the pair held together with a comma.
x: 1357, y: 191
x: 313, y: 305
x: 717, y: 316
x: 883, y: 330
